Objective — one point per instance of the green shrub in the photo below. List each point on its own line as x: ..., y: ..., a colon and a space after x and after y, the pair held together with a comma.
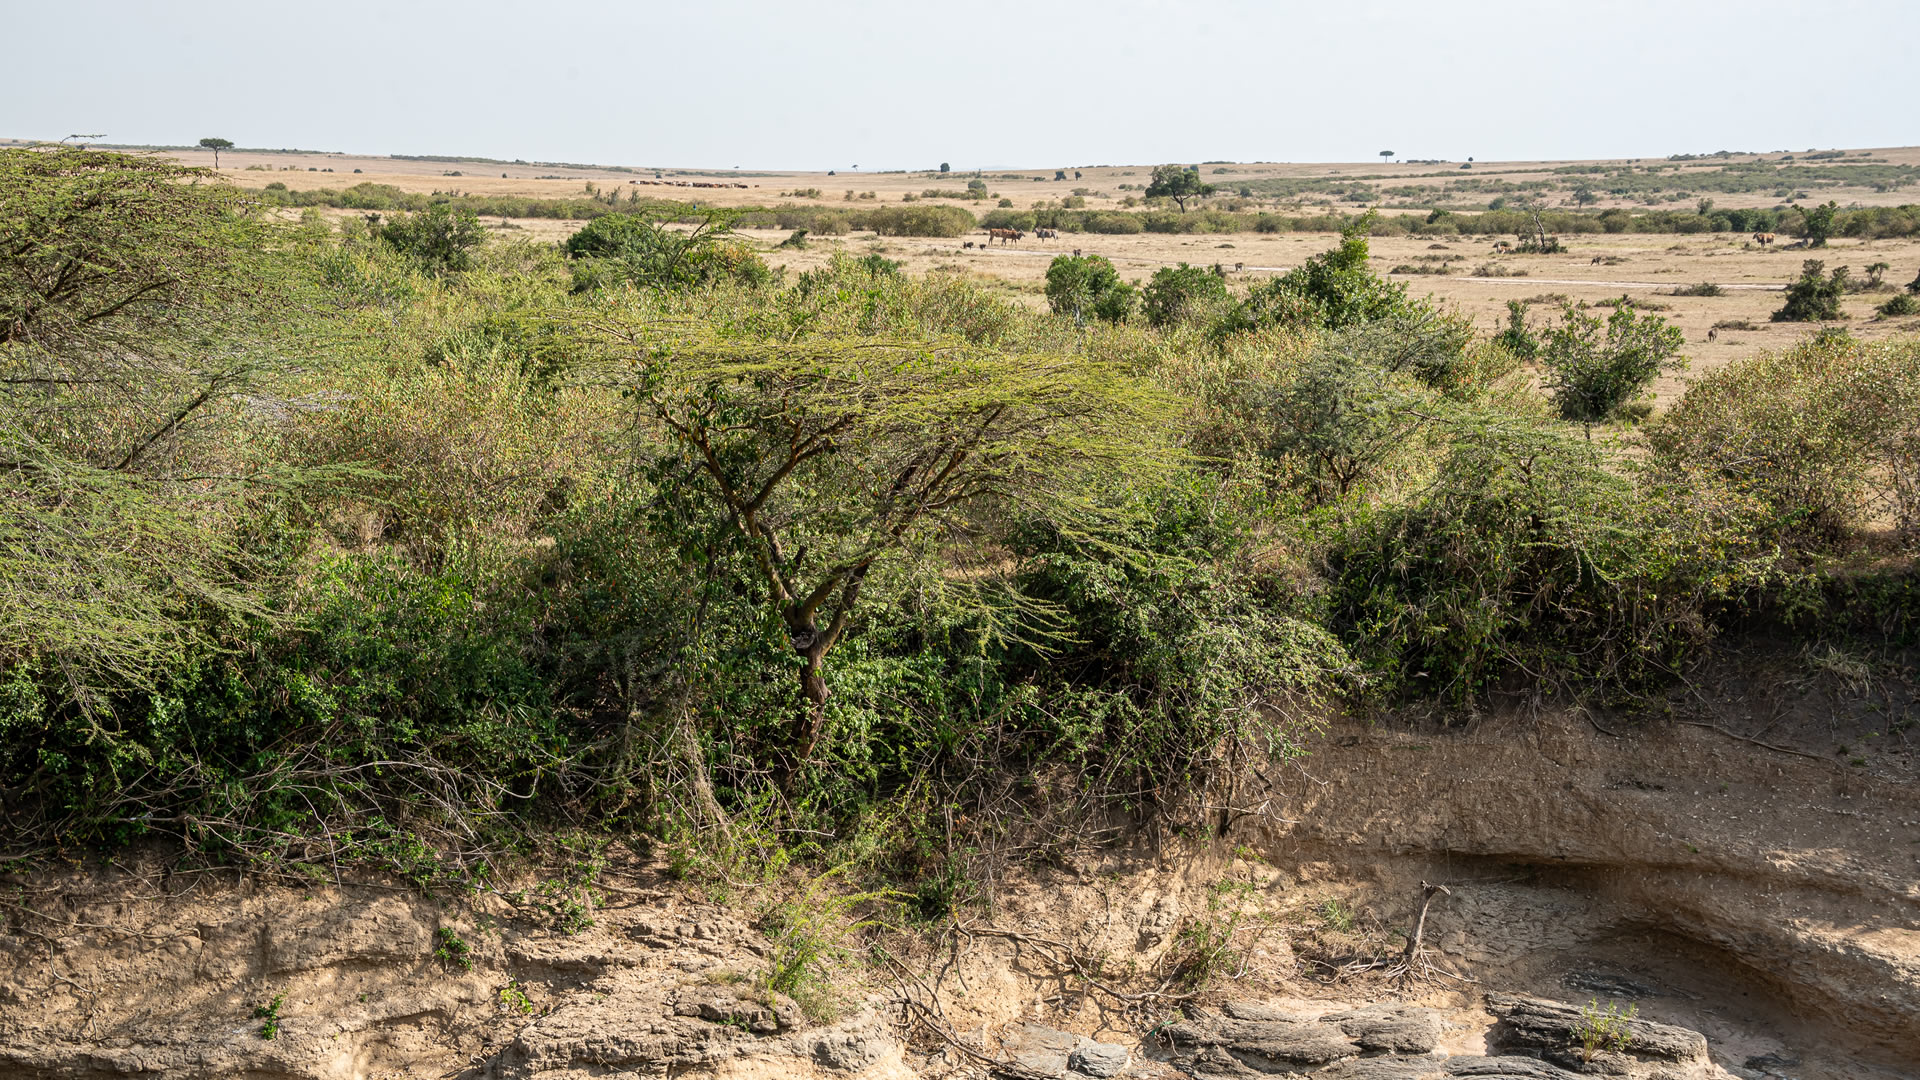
x: 1517, y: 337
x: 1824, y: 438
x: 646, y: 252
x: 1335, y: 289
x: 1814, y: 298
x: 1596, y: 371
x: 440, y: 239
x: 1899, y: 304
x: 1705, y: 288
x: 1182, y: 294
x: 1088, y: 285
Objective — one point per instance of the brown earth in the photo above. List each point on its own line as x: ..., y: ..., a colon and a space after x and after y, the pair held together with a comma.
x: 1746, y: 866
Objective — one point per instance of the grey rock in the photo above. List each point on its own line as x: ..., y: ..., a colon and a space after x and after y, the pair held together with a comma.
x: 1399, y: 1029
x: 849, y: 1051
x: 1392, y: 1067
x: 1264, y: 1046
x: 1099, y: 1059
x: 1506, y: 1068
x: 1536, y: 1025
x: 1040, y: 1048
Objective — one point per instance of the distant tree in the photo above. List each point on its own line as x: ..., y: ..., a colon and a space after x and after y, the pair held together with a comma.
x: 1704, y: 207
x: 1817, y: 224
x: 1595, y: 370
x: 1585, y: 196
x: 944, y: 167
x: 1876, y: 273
x: 1178, y: 183
x: 1386, y: 154
x: 217, y: 145
x: 1815, y: 297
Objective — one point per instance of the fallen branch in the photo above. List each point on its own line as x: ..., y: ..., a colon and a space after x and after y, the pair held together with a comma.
x: 1756, y: 742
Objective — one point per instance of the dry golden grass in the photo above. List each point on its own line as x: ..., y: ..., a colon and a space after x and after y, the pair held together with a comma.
x: 1648, y: 267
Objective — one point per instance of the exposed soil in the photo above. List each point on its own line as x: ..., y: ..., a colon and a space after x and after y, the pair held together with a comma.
x: 1765, y: 896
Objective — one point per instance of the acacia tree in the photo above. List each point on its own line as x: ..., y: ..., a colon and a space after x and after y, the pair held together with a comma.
x: 1817, y: 224
x: 216, y: 145
x: 134, y: 301
x: 1177, y: 182
x: 823, y: 459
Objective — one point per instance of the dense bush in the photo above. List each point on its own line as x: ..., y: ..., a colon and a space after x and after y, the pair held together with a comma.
x: 1814, y: 297
x: 1182, y: 294
x: 1824, y: 437
x: 862, y: 554
x: 942, y: 221
x: 439, y: 238
x: 1596, y: 371
x: 635, y: 250
x: 1088, y: 285
x: 1335, y: 289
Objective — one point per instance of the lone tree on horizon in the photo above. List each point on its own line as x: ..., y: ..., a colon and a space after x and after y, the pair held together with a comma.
x: 1386, y: 154
x: 1177, y: 183
x: 217, y: 145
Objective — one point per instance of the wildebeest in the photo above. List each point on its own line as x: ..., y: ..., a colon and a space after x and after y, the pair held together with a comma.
x: 1076, y: 253
x: 968, y: 244
x: 1764, y: 239
x: 1714, y: 334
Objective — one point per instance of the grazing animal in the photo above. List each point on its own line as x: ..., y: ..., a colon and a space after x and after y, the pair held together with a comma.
x: 1237, y: 267
x: 1076, y: 253
x: 1007, y: 236
x: 1501, y: 246
x: 968, y: 244
x: 1597, y: 260
x: 1764, y: 239
x: 1713, y: 335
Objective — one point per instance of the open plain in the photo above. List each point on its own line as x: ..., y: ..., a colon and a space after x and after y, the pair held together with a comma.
x: 1477, y: 279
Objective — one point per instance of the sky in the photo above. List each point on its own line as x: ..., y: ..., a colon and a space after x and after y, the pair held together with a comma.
x: 837, y: 84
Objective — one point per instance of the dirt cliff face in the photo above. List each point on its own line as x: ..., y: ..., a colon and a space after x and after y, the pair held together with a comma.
x: 181, y: 975
x: 1759, y: 905
x: 1770, y: 886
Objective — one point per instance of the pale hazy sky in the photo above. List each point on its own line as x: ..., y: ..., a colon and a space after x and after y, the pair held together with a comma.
x: 817, y: 84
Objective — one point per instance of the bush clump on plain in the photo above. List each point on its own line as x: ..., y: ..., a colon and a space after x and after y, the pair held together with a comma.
x: 1083, y: 285
x: 1183, y: 294
x: 1815, y: 297
x: 1597, y: 371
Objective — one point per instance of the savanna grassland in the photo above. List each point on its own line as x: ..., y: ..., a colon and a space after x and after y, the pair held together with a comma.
x: 1630, y: 227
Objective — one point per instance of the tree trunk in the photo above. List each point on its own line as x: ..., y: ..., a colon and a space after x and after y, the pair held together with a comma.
x: 813, y: 686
